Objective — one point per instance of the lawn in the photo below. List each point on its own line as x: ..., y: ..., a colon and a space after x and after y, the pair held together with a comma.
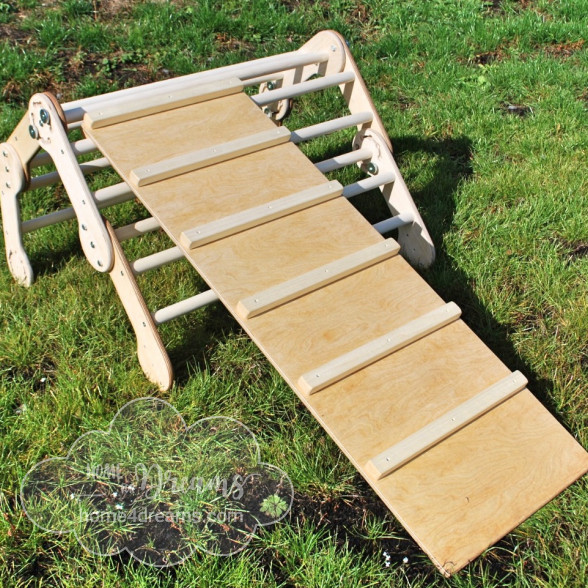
x: 486, y: 106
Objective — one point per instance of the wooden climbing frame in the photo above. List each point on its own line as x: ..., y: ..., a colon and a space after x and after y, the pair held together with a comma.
x: 449, y: 438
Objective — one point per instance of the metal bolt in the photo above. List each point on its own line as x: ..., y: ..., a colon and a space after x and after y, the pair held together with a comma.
x: 33, y: 132
x: 372, y: 168
x: 271, y: 85
x: 92, y: 245
x: 45, y: 118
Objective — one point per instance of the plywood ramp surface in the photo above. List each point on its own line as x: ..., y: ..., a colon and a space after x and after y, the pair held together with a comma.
x: 457, y: 498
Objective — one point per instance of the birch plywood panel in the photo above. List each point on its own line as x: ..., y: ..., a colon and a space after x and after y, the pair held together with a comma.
x: 457, y: 498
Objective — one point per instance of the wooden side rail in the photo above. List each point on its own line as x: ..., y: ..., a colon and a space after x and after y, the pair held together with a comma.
x: 406, y: 450
x: 371, y: 352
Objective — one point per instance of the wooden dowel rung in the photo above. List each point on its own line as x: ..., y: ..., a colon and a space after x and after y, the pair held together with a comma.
x: 137, y: 229
x: 241, y: 221
x: 353, y: 361
x: 168, y: 168
x: 416, y: 444
x: 160, y: 102
x: 316, y: 279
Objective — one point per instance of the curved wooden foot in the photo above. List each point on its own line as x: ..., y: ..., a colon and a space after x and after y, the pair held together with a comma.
x: 12, y: 183
x: 150, y: 349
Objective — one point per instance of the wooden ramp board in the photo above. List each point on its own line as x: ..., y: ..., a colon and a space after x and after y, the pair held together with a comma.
x: 458, y: 497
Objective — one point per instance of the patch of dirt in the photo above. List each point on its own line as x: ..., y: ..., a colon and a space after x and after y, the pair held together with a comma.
x: 571, y: 251
x: 226, y: 43
x: 291, y: 5
x: 487, y: 57
x: 360, y: 14
x: 517, y: 109
x: 13, y: 33
x: 579, y: 250
x: 564, y: 50
x: 113, y: 7
x: 345, y: 518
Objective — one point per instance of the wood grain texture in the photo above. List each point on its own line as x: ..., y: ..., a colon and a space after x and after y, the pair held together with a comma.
x: 129, y: 109
x: 450, y: 423
x: 150, y: 349
x: 356, y: 359
x: 315, y: 279
x: 252, y: 217
x: 194, y: 160
x: 463, y: 494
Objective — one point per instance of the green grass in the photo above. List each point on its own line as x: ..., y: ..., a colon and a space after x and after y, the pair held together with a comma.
x: 504, y: 195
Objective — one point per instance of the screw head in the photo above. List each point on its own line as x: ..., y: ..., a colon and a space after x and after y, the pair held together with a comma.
x: 271, y: 85
x: 33, y: 132
x: 45, y: 118
x: 372, y: 168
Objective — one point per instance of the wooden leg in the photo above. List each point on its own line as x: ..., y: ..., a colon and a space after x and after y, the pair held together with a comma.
x: 46, y: 124
x: 417, y: 245
x: 12, y: 183
x: 150, y: 349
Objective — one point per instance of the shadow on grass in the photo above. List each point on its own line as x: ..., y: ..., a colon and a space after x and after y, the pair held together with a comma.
x: 436, y: 201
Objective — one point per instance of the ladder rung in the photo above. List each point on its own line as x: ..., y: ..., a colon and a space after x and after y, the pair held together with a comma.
x: 161, y: 101
x: 241, y: 221
x: 163, y: 315
x: 340, y: 161
x: 104, y: 197
x: 168, y: 168
x: 331, y: 126
x: 406, y: 450
x: 368, y: 184
x: 303, y: 88
x: 81, y: 147
x: 74, y: 111
x: 353, y: 361
x: 156, y: 260
x: 88, y: 167
x: 136, y: 229
x: 317, y: 278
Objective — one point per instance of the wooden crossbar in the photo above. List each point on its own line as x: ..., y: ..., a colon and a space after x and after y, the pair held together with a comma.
x: 241, y: 221
x: 371, y: 352
x: 315, y: 279
x: 160, y: 102
x: 406, y: 450
x: 175, y: 166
